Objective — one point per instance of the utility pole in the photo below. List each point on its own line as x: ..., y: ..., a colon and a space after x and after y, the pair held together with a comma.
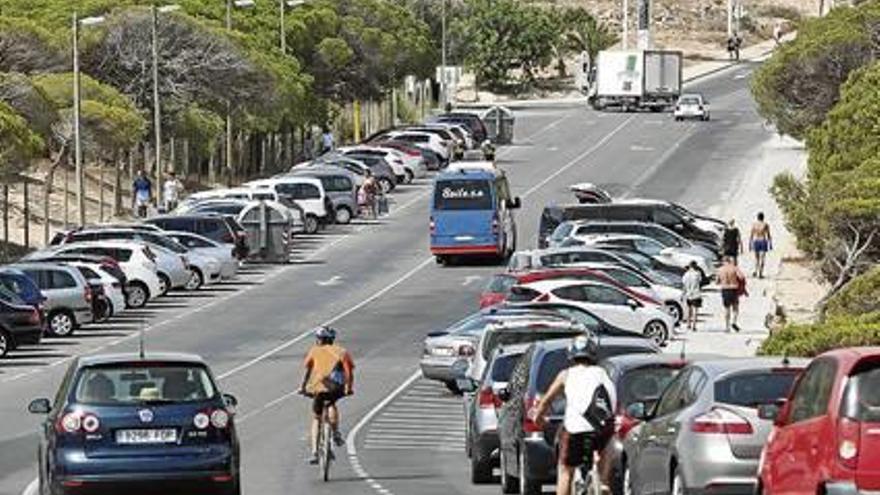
x: 281, y: 6
x: 229, y: 152
x: 77, y: 138
x: 444, y: 98
x: 625, y: 24
x: 157, y: 115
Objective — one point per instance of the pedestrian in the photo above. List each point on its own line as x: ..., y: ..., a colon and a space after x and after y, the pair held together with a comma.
x: 328, y: 143
x: 732, y: 282
x: 731, y: 244
x: 692, y: 285
x: 731, y: 47
x: 760, y: 242
x: 737, y: 44
x: 369, y: 189
x: 171, y: 191
x: 309, y: 146
x: 141, y: 194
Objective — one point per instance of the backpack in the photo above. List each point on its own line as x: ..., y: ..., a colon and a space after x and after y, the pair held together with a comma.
x: 335, y: 381
x: 600, y: 415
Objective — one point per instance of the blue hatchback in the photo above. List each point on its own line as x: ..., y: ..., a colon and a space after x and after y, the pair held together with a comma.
x: 125, y: 422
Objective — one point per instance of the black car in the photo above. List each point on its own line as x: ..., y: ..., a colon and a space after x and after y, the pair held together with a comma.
x: 470, y: 120
x: 129, y: 422
x: 528, y: 451
x: 20, y: 323
x: 220, y: 228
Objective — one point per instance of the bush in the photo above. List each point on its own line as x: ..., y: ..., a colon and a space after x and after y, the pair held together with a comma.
x: 860, y: 296
x: 813, y: 339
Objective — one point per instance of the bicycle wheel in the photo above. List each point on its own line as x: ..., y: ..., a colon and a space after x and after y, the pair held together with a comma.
x: 327, y: 453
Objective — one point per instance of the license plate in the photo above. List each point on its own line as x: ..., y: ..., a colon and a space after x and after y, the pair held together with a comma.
x: 137, y: 437
x: 442, y: 351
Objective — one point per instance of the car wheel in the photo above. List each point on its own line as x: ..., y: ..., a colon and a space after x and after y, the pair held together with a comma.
x: 196, y: 279
x: 678, y: 487
x: 509, y: 484
x: 676, y: 311
x: 409, y: 177
x: 527, y: 486
x: 311, y: 224
x: 343, y: 215
x: 137, y: 295
x: 656, y: 330
x: 164, y: 284
x: 481, y: 468
x: 386, y: 184
x: 61, y: 323
x: 5, y: 343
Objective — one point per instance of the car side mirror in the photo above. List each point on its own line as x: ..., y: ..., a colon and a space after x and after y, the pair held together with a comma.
x: 504, y: 394
x: 466, y: 385
x: 769, y: 411
x: 230, y: 400
x: 40, y: 406
x: 632, y: 303
x: 638, y: 410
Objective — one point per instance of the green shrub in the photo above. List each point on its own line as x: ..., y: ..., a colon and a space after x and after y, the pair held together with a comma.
x: 813, y: 339
x: 861, y: 295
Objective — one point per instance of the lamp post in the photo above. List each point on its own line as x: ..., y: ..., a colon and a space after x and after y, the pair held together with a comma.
x: 157, y: 108
x: 282, y: 6
x: 77, y: 116
x: 625, y: 24
x: 444, y: 98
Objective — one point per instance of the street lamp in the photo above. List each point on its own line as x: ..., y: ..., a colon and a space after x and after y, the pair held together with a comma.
x: 282, y: 6
x: 157, y: 110
x: 77, y: 116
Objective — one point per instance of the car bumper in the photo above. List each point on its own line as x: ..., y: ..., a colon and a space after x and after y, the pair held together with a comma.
x: 471, y: 249
x: 487, y: 444
x: 229, y: 269
x: 192, y: 482
x: 437, y: 368
x: 717, y: 471
x: 29, y: 335
x: 73, y: 464
x: 83, y: 315
x: 179, y: 278
x: 540, y: 459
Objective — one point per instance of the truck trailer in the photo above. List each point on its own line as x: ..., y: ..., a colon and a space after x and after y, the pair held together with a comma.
x: 633, y: 80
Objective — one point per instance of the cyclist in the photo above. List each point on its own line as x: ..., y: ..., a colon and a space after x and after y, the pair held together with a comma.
x: 579, y: 383
x: 329, y: 376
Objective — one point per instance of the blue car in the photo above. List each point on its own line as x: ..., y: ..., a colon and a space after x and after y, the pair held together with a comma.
x: 472, y: 213
x: 125, y: 422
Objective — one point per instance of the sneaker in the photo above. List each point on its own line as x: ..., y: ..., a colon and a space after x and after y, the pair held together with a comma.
x: 313, y: 459
x: 735, y: 327
x: 337, y: 439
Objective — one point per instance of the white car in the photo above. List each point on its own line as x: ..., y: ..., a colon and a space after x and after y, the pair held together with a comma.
x: 397, y: 160
x: 427, y: 140
x: 308, y: 192
x: 691, y: 106
x: 196, y: 243
x: 608, y: 302
x: 112, y: 288
x: 671, y: 297
x: 673, y: 256
x: 142, y: 280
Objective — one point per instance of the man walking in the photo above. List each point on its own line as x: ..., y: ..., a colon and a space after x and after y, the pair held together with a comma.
x: 171, y: 190
x: 732, y: 282
x: 141, y: 194
x: 327, y: 141
x: 692, y: 286
x: 732, y: 241
x: 760, y: 242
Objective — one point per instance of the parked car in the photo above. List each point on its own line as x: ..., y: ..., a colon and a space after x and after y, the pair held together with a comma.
x: 120, y: 422
x: 215, y: 227
x: 431, y: 160
x: 17, y: 282
x: 393, y: 157
x: 381, y: 168
x: 308, y: 192
x: 612, y: 304
x: 473, y: 122
x: 68, y: 296
x: 196, y: 243
x: 427, y: 140
x: 668, y: 238
x: 704, y: 433
x: 655, y: 268
x: 142, y: 282
x: 20, y: 323
x: 671, y: 256
x: 691, y: 106
x: 111, y: 289
x: 413, y: 163
x: 481, y: 411
x: 340, y: 187
x: 577, y: 313
x: 527, y: 451
x: 825, y: 433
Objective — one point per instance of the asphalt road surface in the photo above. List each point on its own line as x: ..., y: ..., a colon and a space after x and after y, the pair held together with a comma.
x: 380, y: 287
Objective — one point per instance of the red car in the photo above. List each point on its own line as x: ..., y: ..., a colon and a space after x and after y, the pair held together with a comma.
x: 826, y: 437
x: 498, y: 288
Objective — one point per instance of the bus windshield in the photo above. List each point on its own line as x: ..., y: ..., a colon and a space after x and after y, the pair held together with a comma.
x: 463, y: 194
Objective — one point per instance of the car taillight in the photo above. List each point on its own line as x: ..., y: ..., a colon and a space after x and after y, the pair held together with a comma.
x: 90, y: 423
x: 87, y: 294
x: 70, y: 423
x: 623, y: 424
x: 219, y: 418
x: 529, y: 426
x: 34, y: 317
x: 201, y: 421
x: 466, y: 350
x: 487, y: 399
x: 721, y: 421
x: 848, y: 433
x: 227, y: 237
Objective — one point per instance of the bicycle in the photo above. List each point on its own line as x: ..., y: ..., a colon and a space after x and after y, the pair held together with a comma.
x: 325, y: 440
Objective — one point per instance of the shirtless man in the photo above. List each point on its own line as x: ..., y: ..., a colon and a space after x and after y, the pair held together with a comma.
x: 760, y: 242
x: 730, y: 279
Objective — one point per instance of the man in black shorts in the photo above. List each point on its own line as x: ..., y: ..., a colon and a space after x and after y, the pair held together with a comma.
x: 732, y: 282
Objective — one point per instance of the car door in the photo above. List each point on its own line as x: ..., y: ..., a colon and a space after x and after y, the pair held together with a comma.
x: 616, y: 304
x: 67, y: 289
x: 647, y: 465
x: 794, y: 453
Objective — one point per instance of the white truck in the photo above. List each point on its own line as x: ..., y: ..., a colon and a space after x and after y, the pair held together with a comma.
x: 636, y: 79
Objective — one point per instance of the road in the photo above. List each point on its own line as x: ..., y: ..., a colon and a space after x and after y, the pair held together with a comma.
x: 377, y: 284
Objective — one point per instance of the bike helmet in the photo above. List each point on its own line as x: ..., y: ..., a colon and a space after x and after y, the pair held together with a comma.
x: 325, y: 333
x: 583, y: 348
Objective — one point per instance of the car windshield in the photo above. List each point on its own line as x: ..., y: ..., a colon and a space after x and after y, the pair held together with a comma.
x: 143, y: 382
x: 562, y: 231
x: 690, y: 100
x: 463, y: 194
x: 861, y: 400
x: 225, y: 209
x: 753, y: 388
x: 505, y: 337
x: 166, y: 243
x: 551, y: 365
x: 645, y: 383
x: 500, y: 284
x: 502, y: 367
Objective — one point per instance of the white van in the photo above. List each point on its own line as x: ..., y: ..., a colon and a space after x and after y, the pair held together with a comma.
x: 308, y: 192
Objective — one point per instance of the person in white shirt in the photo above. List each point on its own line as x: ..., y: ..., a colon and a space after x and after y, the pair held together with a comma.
x: 171, y: 190
x: 578, y: 441
x: 693, y: 295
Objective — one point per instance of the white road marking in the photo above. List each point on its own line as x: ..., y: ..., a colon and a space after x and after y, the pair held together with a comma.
x: 32, y: 488
x: 638, y: 147
x: 470, y: 279
x: 334, y: 280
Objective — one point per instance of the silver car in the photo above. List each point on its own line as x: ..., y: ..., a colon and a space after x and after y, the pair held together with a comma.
x: 196, y: 243
x: 68, y: 296
x: 704, y: 434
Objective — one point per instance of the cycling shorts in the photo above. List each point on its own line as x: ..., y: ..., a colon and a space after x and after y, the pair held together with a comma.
x: 328, y: 398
